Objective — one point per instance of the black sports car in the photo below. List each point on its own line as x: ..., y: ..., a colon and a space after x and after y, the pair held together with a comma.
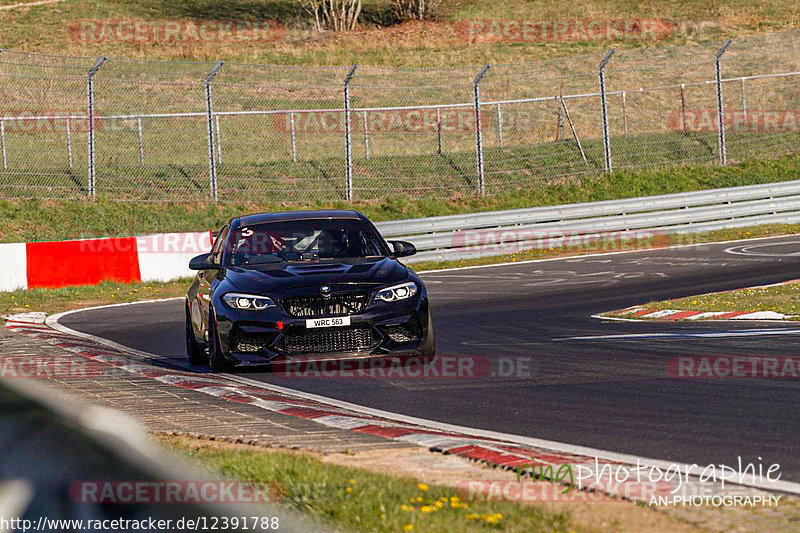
x: 307, y: 285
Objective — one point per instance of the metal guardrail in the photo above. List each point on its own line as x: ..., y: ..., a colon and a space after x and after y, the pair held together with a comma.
x: 502, y: 232
x: 52, y: 442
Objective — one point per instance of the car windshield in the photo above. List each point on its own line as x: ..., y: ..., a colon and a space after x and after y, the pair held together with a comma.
x: 304, y: 240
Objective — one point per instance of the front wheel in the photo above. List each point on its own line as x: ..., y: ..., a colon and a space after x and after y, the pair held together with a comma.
x: 429, y: 348
x: 216, y: 360
x: 194, y: 353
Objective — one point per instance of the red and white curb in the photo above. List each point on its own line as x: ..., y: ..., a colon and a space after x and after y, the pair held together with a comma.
x: 502, y: 453
x: 638, y: 312
x: 160, y: 257
x: 672, y: 315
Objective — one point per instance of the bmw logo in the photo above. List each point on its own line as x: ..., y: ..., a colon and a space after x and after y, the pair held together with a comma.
x: 325, y: 289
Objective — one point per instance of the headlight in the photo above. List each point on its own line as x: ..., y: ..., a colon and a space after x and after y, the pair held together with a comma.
x: 398, y: 292
x: 247, y: 301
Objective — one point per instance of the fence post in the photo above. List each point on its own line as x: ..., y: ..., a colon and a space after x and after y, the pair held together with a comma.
x: 219, y: 141
x: 141, y: 140
x: 500, y: 125
x: 439, y: 130
x: 478, y: 132
x: 723, y: 159
x: 606, y: 139
x: 212, y: 163
x: 3, y: 142
x: 366, y: 137
x: 69, y: 144
x: 294, y: 137
x: 683, y: 107
x: 744, y: 100
x: 90, y: 112
x: 625, y: 111
x: 348, y: 146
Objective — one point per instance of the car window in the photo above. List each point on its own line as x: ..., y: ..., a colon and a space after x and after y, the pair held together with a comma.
x: 219, y: 244
x: 305, y: 240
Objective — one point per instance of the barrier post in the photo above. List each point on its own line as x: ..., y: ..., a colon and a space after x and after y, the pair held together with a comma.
x: 478, y: 132
x: 606, y: 137
x: 212, y: 163
x: 92, y: 189
x: 348, y: 144
x: 723, y: 158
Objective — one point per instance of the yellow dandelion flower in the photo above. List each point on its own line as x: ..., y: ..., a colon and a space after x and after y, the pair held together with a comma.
x: 408, y: 527
x: 443, y: 499
x: 349, y: 490
x: 405, y: 507
x: 351, y: 481
x: 455, y: 499
x: 438, y: 505
x: 422, y: 486
x: 426, y: 509
x: 472, y: 516
x: 419, y: 498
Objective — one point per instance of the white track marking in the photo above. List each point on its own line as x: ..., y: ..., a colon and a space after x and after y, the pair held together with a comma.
x: 606, y: 455
x: 29, y: 4
x: 698, y: 334
x: 745, y: 250
x: 604, y: 254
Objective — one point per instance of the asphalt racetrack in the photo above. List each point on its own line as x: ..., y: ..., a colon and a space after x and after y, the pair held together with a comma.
x: 607, y: 393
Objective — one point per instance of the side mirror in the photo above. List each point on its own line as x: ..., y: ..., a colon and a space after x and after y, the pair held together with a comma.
x: 402, y: 248
x: 203, y: 262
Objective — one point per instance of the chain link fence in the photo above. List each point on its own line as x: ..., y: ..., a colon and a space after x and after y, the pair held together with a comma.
x: 123, y: 129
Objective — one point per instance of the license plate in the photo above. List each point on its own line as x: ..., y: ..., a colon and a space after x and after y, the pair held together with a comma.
x: 328, y: 322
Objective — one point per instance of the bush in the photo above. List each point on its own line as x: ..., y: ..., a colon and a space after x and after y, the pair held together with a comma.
x: 415, y: 9
x: 334, y: 15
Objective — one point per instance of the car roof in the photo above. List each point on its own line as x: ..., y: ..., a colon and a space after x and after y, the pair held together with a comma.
x: 331, y: 214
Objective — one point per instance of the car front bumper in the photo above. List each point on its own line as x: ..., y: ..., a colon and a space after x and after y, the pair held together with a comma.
x: 271, y: 336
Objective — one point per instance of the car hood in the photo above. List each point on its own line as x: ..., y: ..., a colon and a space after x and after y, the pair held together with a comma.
x: 339, y: 275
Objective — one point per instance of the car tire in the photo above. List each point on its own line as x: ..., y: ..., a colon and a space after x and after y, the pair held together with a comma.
x: 429, y: 348
x: 216, y: 361
x: 194, y: 353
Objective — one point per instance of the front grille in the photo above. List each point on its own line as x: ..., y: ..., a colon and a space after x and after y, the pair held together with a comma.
x: 401, y: 333
x: 330, y: 340
x: 256, y: 343
x: 315, y: 305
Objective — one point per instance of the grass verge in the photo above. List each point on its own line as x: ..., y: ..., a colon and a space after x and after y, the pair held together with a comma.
x: 359, y: 500
x: 68, y: 298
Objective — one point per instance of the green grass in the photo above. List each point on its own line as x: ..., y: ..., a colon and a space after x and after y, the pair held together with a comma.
x: 37, y: 220
x: 358, y: 500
